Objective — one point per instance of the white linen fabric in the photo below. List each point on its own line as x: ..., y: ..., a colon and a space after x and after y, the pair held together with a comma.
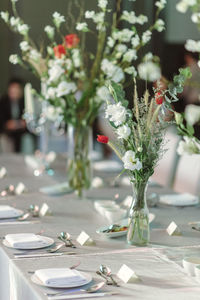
x: 25, y: 240
x: 60, y: 276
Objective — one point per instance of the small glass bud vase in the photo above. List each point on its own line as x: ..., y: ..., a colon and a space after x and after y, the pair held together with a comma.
x: 79, y: 170
x: 138, y: 230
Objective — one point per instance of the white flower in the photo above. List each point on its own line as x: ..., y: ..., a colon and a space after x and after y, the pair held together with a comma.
x: 53, y: 113
x: 188, y: 146
x: 130, y: 55
x: 116, y: 113
x: 146, y: 36
x: 135, y: 41
x: 141, y: 19
x: 161, y: 4
x: 129, y: 17
x: 110, y: 42
x: 14, y: 22
x: 131, y: 71
x: 195, y: 17
x: 24, y: 46
x: 14, y: 59
x: 183, y: 5
x: 51, y: 93
x: 14, y: 0
x: 5, y: 16
x: 192, y: 114
x: 123, y: 35
x: 103, y: 93
x: 99, y: 18
x: 123, y: 132
x: 76, y: 58
x: 65, y: 88
x: 148, y: 57
x: 102, y: 3
x: 35, y: 55
x: 149, y: 71
x: 112, y: 71
x: 193, y: 46
x: 68, y: 64
x: 82, y: 26
x: 58, y: 19
x: 131, y: 162
x: 55, y: 72
x: 50, y: 31
x: 121, y: 48
x: 89, y: 14
x: 160, y: 25
x: 23, y: 29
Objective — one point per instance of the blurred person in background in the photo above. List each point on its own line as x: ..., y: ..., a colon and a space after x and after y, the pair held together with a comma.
x: 12, y: 125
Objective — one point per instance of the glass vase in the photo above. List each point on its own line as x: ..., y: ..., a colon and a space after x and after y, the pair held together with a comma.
x: 138, y: 230
x: 79, y: 169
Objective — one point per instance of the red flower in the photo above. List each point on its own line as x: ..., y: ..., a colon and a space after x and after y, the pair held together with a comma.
x: 102, y: 139
x: 71, y: 40
x: 159, y: 98
x: 59, y: 51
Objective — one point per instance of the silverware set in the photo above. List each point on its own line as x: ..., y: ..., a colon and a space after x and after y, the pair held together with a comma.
x: 106, y: 273
x: 65, y: 237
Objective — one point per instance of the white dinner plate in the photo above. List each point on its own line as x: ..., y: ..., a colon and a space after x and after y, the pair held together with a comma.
x: 179, y: 199
x: 19, y: 214
x: 123, y: 222
x: 88, y: 278
x: 107, y: 166
x: 49, y: 242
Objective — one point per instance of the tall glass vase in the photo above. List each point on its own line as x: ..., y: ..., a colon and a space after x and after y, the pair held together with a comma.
x: 138, y: 231
x: 79, y: 170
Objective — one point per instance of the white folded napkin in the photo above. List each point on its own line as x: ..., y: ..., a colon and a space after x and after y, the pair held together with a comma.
x: 7, y: 211
x: 60, y: 276
x: 107, y: 165
x: 179, y: 199
x: 24, y: 240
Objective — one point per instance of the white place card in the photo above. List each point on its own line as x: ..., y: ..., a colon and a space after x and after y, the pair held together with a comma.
x: 20, y: 188
x: 85, y: 240
x: 45, y: 210
x: 173, y: 229
x: 97, y: 182
x: 3, y: 172
x: 127, y: 275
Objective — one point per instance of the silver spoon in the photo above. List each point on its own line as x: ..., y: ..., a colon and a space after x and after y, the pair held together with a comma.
x: 106, y: 278
x: 72, y: 267
x: 91, y: 289
x: 24, y: 217
x: 66, y: 238
x: 107, y: 272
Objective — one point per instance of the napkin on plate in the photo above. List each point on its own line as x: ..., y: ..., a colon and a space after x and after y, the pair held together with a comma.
x: 7, y: 211
x: 60, y: 276
x: 107, y: 165
x: 24, y: 240
x: 179, y: 199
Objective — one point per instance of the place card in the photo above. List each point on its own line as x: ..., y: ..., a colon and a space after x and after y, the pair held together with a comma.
x: 20, y: 188
x: 85, y: 240
x: 45, y: 210
x: 173, y: 229
x: 127, y: 275
x: 97, y: 182
x: 3, y: 172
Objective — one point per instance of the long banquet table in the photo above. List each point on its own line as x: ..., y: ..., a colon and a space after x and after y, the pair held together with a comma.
x: 158, y: 265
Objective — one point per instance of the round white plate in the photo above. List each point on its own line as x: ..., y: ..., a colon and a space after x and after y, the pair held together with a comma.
x: 37, y: 281
x: 19, y: 214
x: 123, y: 222
x: 179, y: 199
x: 46, y: 239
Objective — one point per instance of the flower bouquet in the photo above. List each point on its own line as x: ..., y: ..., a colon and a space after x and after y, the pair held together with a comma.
x: 75, y: 79
x: 140, y: 133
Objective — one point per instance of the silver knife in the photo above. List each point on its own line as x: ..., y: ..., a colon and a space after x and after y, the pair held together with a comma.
x: 81, y: 296
x: 42, y: 254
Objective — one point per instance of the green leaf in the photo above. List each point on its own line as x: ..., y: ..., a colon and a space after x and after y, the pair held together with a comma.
x: 118, y: 93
